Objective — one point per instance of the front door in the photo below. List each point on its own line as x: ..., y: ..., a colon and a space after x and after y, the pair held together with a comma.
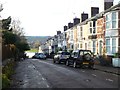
x: 85, y: 46
x: 100, y: 47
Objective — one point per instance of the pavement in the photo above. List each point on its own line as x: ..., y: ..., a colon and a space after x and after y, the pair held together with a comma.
x: 109, y: 69
x: 27, y: 76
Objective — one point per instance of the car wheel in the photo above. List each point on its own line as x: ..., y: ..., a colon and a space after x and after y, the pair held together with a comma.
x: 54, y: 61
x: 67, y: 63
x: 91, y: 66
x: 59, y: 62
x: 74, y: 64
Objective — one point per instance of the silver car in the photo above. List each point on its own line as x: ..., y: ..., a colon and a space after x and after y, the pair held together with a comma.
x: 61, y: 56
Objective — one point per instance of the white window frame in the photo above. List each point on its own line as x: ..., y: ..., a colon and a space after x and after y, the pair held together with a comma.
x: 92, y: 28
x: 110, y: 20
x: 112, y: 45
x: 108, y: 52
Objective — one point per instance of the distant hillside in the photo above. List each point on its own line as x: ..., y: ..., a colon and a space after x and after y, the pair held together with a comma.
x: 41, y: 39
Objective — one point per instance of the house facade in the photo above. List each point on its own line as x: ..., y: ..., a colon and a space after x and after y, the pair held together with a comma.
x: 112, y: 30
x: 100, y: 33
x: 75, y: 38
x: 69, y: 37
x: 60, y: 40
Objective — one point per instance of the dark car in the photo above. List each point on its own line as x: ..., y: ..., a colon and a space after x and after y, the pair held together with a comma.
x: 35, y: 56
x: 39, y: 56
x: 61, y: 56
x: 81, y: 58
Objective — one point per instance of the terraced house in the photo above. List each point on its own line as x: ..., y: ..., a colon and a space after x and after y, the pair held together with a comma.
x: 112, y: 29
x: 69, y: 37
x: 100, y: 33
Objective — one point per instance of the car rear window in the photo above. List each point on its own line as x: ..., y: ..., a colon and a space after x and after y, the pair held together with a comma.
x: 85, y: 52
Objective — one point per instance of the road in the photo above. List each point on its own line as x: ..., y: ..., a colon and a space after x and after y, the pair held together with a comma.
x: 35, y: 73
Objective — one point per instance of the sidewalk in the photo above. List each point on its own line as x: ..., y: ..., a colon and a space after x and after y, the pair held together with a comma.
x: 27, y: 76
x: 109, y: 69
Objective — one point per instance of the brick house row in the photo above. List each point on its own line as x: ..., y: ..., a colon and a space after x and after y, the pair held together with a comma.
x: 100, y: 33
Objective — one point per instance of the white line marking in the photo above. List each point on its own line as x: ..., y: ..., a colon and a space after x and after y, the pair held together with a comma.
x: 115, y: 75
x: 109, y: 80
x: 48, y: 86
x: 94, y: 75
x: 83, y: 71
x: 25, y: 81
x: 40, y: 74
x: 43, y: 79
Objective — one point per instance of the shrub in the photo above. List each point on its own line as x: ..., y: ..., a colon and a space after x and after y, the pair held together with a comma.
x: 5, y: 81
x: 116, y: 55
x: 7, y: 71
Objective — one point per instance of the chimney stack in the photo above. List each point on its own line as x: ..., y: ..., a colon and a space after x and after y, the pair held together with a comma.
x: 76, y: 21
x: 84, y: 16
x: 58, y: 32
x: 94, y: 11
x: 108, y: 4
x: 70, y: 25
x: 65, y: 28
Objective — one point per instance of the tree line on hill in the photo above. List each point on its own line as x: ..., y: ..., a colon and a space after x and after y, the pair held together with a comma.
x: 35, y: 41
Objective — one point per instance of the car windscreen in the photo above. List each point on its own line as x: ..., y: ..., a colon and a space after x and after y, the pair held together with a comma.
x: 40, y: 53
x: 65, y: 53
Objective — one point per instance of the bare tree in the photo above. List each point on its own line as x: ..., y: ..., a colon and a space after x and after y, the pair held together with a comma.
x: 16, y: 28
x: 1, y: 7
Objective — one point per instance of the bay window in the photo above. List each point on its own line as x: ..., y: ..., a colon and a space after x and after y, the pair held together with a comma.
x: 113, y: 45
x: 108, y: 45
x: 111, y: 20
x: 114, y: 24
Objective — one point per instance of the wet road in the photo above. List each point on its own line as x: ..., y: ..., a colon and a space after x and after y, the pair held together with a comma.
x: 34, y: 73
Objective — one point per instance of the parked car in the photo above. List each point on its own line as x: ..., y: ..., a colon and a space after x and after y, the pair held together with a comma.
x: 61, y: 56
x: 51, y: 55
x: 39, y: 56
x: 81, y: 58
x: 35, y: 56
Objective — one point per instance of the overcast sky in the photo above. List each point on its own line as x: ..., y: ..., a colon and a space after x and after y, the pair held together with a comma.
x: 45, y: 17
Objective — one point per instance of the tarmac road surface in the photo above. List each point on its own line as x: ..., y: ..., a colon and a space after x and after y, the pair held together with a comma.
x: 35, y: 73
